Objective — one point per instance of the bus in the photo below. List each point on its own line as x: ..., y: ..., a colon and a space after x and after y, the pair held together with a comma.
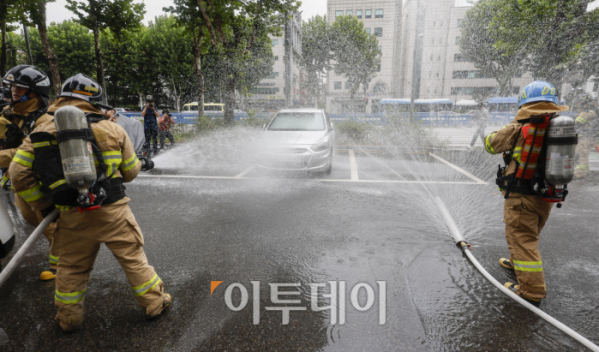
x: 208, y: 107
x: 431, y: 111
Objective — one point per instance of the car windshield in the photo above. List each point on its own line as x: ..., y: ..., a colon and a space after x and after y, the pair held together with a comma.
x: 297, y: 121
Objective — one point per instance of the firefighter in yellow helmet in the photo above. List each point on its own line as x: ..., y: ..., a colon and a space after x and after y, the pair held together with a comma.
x: 29, y: 89
x: 88, y: 216
x: 525, y: 210
x: 587, y: 124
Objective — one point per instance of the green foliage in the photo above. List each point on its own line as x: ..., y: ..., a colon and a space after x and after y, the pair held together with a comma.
x: 357, y: 54
x: 238, y: 34
x: 351, y: 131
x: 547, y: 35
x: 120, y: 16
x: 316, y: 53
x: 172, y: 55
x: 477, y: 43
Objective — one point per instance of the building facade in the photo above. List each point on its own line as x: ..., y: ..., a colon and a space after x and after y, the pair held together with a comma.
x: 271, y: 92
x: 432, y: 66
x: 421, y: 56
x: 381, y: 18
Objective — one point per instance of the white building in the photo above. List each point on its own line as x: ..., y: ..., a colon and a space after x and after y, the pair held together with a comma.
x: 438, y: 71
x: 442, y: 71
x: 381, y: 18
x: 270, y: 93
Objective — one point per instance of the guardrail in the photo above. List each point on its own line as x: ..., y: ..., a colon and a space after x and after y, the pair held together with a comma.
x: 435, y: 119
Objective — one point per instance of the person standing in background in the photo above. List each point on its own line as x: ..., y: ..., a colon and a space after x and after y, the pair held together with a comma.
x: 164, y: 128
x: 150, y: 115
x: 481, y: 119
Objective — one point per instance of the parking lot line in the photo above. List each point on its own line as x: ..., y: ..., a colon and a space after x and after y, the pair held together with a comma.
x: 311, y: 179
x: 245, y: 172
x: 478, y: 180
x: 353, y: 165
x: 383, y: 164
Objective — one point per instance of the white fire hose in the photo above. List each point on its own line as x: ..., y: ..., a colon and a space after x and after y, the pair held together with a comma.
x: 16, y: 259
x: 461, y: 242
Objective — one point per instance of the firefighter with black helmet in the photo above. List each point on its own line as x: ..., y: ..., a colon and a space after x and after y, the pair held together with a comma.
x: 77, y: 162
x: 538, y: 149
x: 28, y: 89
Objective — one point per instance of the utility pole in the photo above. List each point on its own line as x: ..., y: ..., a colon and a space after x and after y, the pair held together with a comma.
x: 418, y: 48
x: 289, y: 61
x: 26, y: 33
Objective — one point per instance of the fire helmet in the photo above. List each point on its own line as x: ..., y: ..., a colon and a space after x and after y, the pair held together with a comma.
x: 538, y: 91
x: 30, y: 77
x: 82, y: 87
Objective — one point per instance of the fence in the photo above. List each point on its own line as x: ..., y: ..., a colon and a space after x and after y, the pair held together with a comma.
x: 435, y: 119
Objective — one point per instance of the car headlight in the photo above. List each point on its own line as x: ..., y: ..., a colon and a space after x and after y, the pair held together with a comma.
x: 321, y: 146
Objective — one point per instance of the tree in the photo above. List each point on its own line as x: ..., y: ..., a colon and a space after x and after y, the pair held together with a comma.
x: 8, y: 14
x: 129, y: 65
x: 356, y: 53
x: 36, y: 10
x: 188, y: 14
x: 550, y: 34
x: 175, y: 63
x: 317, y: 53
x: 120, y: 16
x: 237, y: 31
x: 477, y: 44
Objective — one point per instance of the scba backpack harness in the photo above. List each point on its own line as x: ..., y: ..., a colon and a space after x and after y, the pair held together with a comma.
x: 545, y: 160
x: 49, y: 166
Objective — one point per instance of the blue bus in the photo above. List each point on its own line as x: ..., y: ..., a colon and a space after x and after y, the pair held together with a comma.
x: 430, y: 111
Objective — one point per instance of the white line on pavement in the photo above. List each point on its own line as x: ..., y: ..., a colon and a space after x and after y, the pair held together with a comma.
x: 246, y: 171
x: 384, y: 165
x: 353, y: 165
x: 478, y: 180
x: 310, y: 179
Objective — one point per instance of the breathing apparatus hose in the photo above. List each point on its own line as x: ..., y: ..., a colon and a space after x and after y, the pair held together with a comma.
x: 26, y: 246
x: 466, y: 248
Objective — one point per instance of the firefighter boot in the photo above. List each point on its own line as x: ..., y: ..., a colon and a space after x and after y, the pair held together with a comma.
x: 513, y: 287
x: 505, y: 262
x: 48, y: 275
x: 165, y: 304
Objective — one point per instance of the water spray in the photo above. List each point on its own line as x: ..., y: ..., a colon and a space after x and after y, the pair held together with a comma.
x: 460, y: 241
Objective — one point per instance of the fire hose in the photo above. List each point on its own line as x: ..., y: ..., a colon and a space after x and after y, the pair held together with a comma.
x: 466, y: 249
x: 5, y: 273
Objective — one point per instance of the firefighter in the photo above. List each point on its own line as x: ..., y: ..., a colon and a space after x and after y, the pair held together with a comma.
x: 525, y: 212
x: 29, y: 89
x: 586, y: 126
x: 103, y: 218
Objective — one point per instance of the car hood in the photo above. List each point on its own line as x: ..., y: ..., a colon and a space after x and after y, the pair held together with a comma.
x: 294, y: 137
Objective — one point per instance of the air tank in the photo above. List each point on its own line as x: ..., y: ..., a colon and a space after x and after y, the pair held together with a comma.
x: 561, y: 140
x: 76, y: 154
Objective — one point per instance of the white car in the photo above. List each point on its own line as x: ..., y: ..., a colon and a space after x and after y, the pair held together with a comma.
x: 298, y: 140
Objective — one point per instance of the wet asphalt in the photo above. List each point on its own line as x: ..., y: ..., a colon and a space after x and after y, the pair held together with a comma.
x: 268, y: 228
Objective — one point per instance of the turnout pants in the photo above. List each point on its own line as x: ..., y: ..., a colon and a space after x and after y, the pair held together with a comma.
x: 34, y: 219
x: 582, y: 151
x: 151, y: 134
x: 81, y: 237
x: 525, y: 217
x: 163, y: 136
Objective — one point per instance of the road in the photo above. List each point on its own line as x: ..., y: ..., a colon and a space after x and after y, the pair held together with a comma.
x: 372, y: 220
